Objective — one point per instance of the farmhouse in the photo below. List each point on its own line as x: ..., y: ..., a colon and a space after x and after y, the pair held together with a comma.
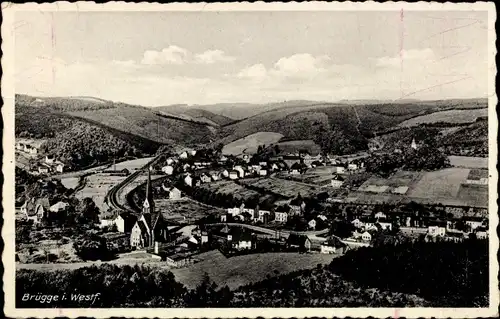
x: 337, y: 181
x: 299, y: 242
x: 333, y: 245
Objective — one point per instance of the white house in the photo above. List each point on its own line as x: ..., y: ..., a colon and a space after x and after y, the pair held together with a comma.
x: 337, y: 181
x: 233, y: 175
x: 370, y: 226
x: 49, y: 159
x: 205, y: 178
x: 183, y: 155
x: 43, y: 169
x: 60, y: 167
x: 386, y: 225
x: 263, y: 172
x: 240, y: 170
x: 481, y: 235
x: 437, y: 231
x: 193, y: 152
x: 352, y: 167
x: 312, y: 224
x: 332, y: 246
x: 322, y: 217
x: 281, y: 217
x: 338, y: 169
x: 59, y: 207
x: 357, y: 223
x: 473, y: 223
x: 169, y: 170
x: 215, y: 177
x: 188, y: 180
x: 233, y: 211
x: 174, y: 193
x: 225, y: 173
x: 366, y: 236
x: 170, y: 161
x: 274, y: 167
x: 380, y: 215
x: 186, y: 166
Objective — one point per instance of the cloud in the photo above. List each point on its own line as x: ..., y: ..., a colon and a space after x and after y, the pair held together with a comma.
x: 177, y: 55
x: 171, y: 55
x: 412, y: 55
x: 303, y: 65
x: 213, y: 56
x: 256, y: 71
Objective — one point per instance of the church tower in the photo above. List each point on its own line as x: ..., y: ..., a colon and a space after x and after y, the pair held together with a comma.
x: 413, y: 144
x: 149, y: 205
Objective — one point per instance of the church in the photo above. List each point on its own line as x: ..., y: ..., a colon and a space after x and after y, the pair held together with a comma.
x: 150, y: 227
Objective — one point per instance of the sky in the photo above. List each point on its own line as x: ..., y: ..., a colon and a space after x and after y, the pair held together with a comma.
x: 162, y: 58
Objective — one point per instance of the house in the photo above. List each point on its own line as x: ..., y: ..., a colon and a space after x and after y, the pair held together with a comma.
x: 170, y: 161
x: 246, y: 158
x: 183, y: 155
x: 225, y: 173
x: 352, y: 167
x: 385, y: 225
x: 214, y: 176
x: 473, y: 222
x: 263, y: 215
x: 233, y: 211
x: 274, y: 167
x: 481, y: 234
x: 233, y: 175
x: 300, y: 242
x: 174, y: 193
x: 192, y: 152
x: 150, y: 227
x: 322, y: 217
x: 380, y: 215
x: 223, y: 218
x: 281, y: 217
x: 263, y: 172
x: 59, y: 167
x: 205, y: 178
x: 204, y: 237
x: 337, y: 181
x: 338, y: 169
x: 263, y: 164
x: 43, y: 169
x: 222, y: 158
x: 436, y: 230
x: 125, y: 222
x: 28, y: 209
x: 297, y: 169
x: 180, y: 259
x: 168, y: 170
x: 49, y: 159
x: 59, y: 207
x: 366, y: 236
x: 333, y: 245
x: 186, y: 167
x: 357, y: 223
x: 312, y: 224
x: 454, y: 236
x: 240, y: 170
x: 188, y: 180
x: 240, y: 239
x: 413, y: 144
x: 42, y: 211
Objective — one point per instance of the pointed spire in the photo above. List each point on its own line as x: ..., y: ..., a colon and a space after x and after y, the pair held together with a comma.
x: 148, y: 206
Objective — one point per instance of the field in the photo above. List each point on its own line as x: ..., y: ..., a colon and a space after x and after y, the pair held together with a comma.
x: 468, y: 162
x: 230, y: 187
x: 283, y: 187
x: 297, y: 145
x: 445, y: 186
x: 250, y: 143
x: 451, y: 116
x: 184, y: 210
x: 97, y: 186
x: 241, y: 270
x: 320, y: 176
x: 70, y: 182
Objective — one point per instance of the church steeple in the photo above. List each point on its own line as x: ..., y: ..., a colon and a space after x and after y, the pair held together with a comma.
x: 149, y: 204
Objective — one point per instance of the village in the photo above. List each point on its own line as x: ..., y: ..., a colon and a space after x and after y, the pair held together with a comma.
x: 251, y: 225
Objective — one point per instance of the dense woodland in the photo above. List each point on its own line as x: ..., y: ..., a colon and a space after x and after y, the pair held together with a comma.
x: 441, y: 274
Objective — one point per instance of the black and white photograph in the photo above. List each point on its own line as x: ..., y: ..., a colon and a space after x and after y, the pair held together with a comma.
x: 283, y: 159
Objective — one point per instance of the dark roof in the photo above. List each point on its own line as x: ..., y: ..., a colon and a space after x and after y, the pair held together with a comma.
x: 338, y: 178
x: 239, y: 234
x: 142, y: 227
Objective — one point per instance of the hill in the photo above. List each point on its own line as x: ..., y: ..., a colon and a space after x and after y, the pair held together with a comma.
x: 194, y: 114
x: 322, y: 122
x: 118, y: 117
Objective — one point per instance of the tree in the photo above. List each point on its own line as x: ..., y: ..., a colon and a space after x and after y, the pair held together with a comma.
x: 88, y: 212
